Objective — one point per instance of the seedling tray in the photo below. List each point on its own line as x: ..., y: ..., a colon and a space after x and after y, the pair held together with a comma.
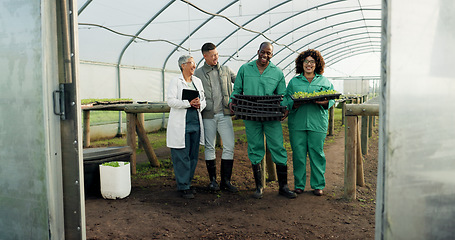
x: 317, y: 98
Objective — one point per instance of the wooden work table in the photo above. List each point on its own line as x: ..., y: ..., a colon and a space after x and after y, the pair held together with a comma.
x: 134, y: 125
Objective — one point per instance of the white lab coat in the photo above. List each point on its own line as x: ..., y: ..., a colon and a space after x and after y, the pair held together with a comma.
x: 175, y: 133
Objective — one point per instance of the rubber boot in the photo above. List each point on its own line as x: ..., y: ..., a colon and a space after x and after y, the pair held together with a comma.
x: 211, y: 169
x: 282, y: 173
x: 257, y: 173
x: 226, y: 172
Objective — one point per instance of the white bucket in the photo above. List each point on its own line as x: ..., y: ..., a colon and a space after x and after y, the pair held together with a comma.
x: 115, y: 181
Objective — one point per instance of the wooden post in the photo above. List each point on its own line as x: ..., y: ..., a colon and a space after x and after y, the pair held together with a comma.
x: 146, y: 144
x: 131, y: 138
x: 86, y: 134
x: 350, y: 157
x: 140, y: 118
x: 271, y: 169
x: 370, y: 126
x: 364, y: 135
x: 331, y: 120
x: 343, y: 112
x: 360, y: 180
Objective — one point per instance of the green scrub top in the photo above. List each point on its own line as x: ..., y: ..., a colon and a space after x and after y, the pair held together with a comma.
x: 309, y: 116
x: 250, y: 82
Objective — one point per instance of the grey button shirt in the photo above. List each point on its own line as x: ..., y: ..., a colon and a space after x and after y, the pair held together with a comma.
x: 217, y: 96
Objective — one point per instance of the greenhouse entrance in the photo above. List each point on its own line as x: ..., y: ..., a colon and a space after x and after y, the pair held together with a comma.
x: 61, y: 55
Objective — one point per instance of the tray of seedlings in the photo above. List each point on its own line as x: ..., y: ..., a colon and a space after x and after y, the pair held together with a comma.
x: 305, y: 97
x: 258, y: 108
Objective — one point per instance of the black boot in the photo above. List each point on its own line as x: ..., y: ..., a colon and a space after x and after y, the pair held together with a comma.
x: 257, y: 173
x: 211, y: 169
x: 226, y: 173
x: 282, y: 172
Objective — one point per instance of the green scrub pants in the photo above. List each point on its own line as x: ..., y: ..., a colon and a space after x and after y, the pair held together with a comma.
x: 273, y: 131
x: 303, y: 142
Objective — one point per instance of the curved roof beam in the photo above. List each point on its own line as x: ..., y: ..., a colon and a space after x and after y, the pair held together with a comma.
x: 328, y: 42
x: 83, y: 7
x: 334, y: 46
x: 327, y: 59
x: 353, y: 53
x: 283, y: 20
x: 351, y: 48
x: 133, y: 38
x: 345, y: 57
x: 311, y: 22
x: 195, y: 30
x: 142, y: 29
x: 328, y: 35
x: 350, y: 40
x: 332, y: 33
x: 248, y: 22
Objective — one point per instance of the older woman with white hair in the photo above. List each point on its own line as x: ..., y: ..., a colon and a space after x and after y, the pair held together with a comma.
x: 184, y: 129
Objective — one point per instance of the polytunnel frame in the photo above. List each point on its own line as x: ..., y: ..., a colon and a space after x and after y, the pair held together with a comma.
x: 327, y: 35
x: 286, y: 46
x: 335, y: 54
x: 240, y: 27
x: 380, y: 220
x: 304, y: 25
x: 347, y: 41
x: 246, y: 23
x: 315, y: 40
x: 327, y: 60
x: 333, y: 61
x: 189, y: 35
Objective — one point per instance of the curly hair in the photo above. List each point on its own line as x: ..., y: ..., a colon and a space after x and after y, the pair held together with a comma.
x: 319, y: 61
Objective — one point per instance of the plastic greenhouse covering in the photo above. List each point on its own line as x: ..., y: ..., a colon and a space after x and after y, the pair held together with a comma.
x: 130, y: 49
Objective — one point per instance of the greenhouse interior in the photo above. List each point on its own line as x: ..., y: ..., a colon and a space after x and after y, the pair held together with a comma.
x: 56, y: 54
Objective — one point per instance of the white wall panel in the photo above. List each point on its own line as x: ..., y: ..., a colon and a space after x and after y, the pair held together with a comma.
x: 97, y: 81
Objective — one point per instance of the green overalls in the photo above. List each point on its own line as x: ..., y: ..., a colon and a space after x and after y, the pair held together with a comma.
x: 307, y: 131
x: 271, y: 82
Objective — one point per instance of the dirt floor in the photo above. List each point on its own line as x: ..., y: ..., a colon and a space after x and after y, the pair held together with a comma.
x: 154, y: 209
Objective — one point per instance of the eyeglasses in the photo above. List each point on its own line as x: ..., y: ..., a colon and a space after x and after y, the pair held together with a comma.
x: 309, y: 62
x: 191, y: 63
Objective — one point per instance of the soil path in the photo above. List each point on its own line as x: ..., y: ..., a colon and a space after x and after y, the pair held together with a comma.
x: 154, y: 209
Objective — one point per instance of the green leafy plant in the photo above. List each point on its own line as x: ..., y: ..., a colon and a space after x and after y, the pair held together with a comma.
x: 313, y: 94
x: 94, y: 100
x: 113, y: 164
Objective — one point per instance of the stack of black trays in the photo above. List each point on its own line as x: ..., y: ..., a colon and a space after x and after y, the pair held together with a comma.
x: 258, y: 108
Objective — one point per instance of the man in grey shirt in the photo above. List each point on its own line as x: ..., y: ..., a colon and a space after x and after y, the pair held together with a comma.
x: 217, y: 82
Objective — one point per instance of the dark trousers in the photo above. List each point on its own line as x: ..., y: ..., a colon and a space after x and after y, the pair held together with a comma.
x: 185, y: 159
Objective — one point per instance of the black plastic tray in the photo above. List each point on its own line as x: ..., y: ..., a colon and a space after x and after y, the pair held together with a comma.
x: 260, y: 117
x: 249, y: 109
x: 316, y: 98
x: 256, y: 98
x: 244, y: 102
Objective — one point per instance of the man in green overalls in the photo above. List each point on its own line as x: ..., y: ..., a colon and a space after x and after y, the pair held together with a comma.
x: 262, y: 78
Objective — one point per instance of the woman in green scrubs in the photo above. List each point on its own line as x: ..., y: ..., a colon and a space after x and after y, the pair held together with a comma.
x: 308, y: 122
